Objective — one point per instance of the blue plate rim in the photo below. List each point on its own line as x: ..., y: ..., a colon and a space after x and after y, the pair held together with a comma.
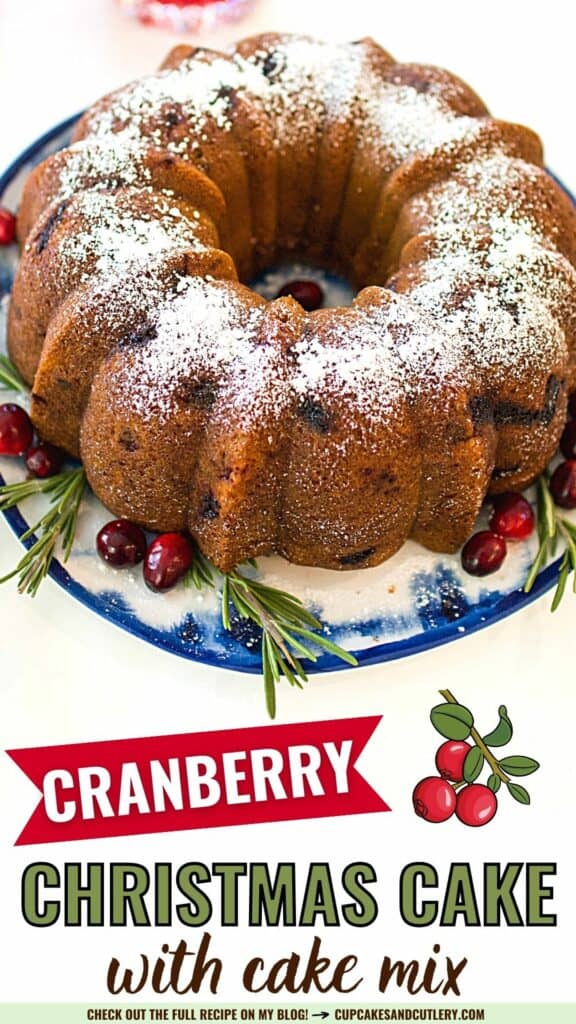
x: 480, y: 617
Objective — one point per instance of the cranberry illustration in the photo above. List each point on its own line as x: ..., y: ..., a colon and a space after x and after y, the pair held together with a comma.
x: 450, y: 759
x: 7, y: 226
x: 121, y: 543
x: 308, y: 293
x: 44, y: 460
x: 572, y: 405
x: 512, y: 516
x: 434, y: 799
x: 167, y: 560
x: 563, y: 484
x: 476, y: 805
x: 16, y: 430
x: 568, y: 442
x: 483, y: 554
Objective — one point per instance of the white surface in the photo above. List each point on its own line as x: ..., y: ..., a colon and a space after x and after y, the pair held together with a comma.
x: 67, y: 675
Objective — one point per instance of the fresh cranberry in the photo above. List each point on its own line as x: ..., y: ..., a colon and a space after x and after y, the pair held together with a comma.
x: 563, y: 484
x: 572, y: 405
x: 483, y: 554
x: 512, y: 516
x: 16, y: 430
x: 7, y: 226
x: 476, y: 805
x: 450, y: 759
x: 121, y: 543
x: 44, y: 459
x: 568, y: 442
x: 434, y: 799
x: 308, y: 293
x: 167, y: 560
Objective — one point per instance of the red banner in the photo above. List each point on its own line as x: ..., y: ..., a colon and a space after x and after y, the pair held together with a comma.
x: 198, y: 780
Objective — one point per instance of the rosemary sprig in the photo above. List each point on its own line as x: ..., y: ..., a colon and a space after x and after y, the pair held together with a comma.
x: 289, y: 631
x: 10, y: 379
x: 58, y: 525
x: 552, y: 529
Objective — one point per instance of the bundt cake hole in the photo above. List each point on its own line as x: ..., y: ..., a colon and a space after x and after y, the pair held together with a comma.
x: 337, y: 287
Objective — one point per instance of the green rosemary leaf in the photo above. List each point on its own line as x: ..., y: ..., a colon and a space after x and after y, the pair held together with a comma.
x: 569, y: 527
x: 244, y: 609
x: 569, y: 534
x: 226, y: 603
x: 14, y: 494
x: 291, y: 611
x: 287, y: 672
x: 537, y: 565
x: 570, y: 538
x: 273, y: 657
x: 200, y: 573
x: 268, y: 669
x: 564, y: 572
x: 10, y: 379
x: 58, y: 525
x: 277, y: 597
x: 296, y: 644
x: 322, y: 641
x: 285, y: 623
x: 552, y: 529
x: 549, y: 509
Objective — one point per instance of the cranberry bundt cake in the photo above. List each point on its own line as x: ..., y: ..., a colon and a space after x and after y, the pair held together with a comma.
x: 330, y: 436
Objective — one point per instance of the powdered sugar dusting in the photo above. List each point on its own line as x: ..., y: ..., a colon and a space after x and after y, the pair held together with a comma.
x: 205, y: 331
x: 100, y: 164
x: 310, y: 81
x: 111, y: 237
x: 495, y: 281
x: 198, y: 87
x: 355, y: 359
x: 404, y: 122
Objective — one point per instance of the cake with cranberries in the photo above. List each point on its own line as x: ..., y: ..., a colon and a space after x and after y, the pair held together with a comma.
x: 329, y: 436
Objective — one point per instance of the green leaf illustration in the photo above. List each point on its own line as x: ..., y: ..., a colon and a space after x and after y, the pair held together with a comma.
x: 494, y: 783
x: 518, y: 792
x: 473, y: 764
x: 502, y: 734
x: 519, y: 765
x: 453, y: 721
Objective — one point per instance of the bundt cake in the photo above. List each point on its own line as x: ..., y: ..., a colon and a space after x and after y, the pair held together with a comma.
x: 330, y: 436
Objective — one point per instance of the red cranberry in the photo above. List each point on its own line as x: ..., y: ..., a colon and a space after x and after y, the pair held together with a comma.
x: 16, y: 430
x: 167, y: 560
x: 512, y: 517
x: 568, y: 442
x: 563, y: 484
x: 476, y: 805
x: 434, y: 799
x: 7, y: 226
x: 483, y: 554
x: 450, y: 759
x: 44, y: 459
x: 121, y: 543
x: 572, y: 405
x: 308, y: 293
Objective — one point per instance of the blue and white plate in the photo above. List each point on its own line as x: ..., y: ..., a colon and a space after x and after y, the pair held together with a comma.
x: 415, y: 601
